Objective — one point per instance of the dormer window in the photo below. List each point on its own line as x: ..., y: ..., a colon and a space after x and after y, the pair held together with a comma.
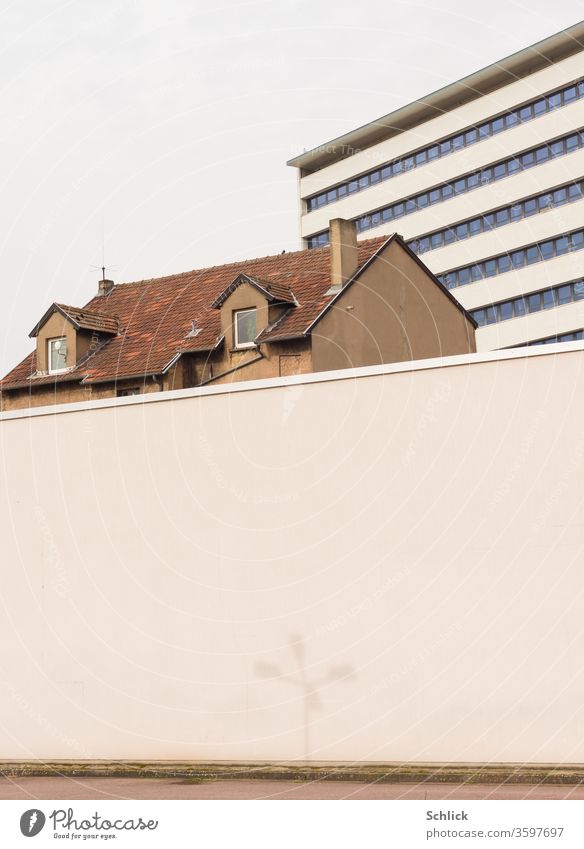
x: 57, y: 355
x: 244, y: 323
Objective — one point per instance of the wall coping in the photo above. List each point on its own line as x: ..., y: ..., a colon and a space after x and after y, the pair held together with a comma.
x: 301, y: 379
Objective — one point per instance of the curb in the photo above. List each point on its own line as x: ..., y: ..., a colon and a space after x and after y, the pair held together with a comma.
x: 365, y: 773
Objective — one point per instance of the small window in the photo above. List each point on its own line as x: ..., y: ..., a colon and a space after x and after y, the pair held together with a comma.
x: 490, y: 267
x: 57, y: 355
x: 572, y: 143
x: 564, y: 295
x: 245, y: 328
x: 491, y: 316
x: 504, y: 264
x: 548, y: 299
x: 540, y: 107
x: 125, y: 393
x: 519, y: 307
x: 534, y: 302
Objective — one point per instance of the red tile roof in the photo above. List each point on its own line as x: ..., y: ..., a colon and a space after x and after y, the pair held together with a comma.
x: 156, y: 316
x: 81, y: 318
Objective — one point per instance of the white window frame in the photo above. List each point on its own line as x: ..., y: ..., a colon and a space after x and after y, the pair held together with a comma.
x: 239, y: 344
x: 50, y: 343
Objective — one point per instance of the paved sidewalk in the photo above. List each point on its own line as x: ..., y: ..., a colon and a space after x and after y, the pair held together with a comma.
x: 60, y: 787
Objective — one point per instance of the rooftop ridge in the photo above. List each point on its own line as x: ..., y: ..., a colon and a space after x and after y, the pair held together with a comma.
x: 238, y: 263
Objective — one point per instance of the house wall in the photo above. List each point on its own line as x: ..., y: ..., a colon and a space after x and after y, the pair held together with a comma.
x: 393, y: 312
x: 278, y: 359
x: 71, y: 392
x: 378, y: 567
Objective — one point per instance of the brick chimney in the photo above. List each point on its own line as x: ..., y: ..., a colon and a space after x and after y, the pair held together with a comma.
x: 344, y: 251
x: 105, y: 286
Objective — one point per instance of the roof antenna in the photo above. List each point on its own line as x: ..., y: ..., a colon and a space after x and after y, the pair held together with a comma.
x: 104, y: 286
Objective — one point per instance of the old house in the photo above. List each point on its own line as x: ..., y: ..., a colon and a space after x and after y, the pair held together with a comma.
x: 347, y: 305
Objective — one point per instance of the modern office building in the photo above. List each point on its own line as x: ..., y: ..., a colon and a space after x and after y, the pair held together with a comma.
x: 485, y: 181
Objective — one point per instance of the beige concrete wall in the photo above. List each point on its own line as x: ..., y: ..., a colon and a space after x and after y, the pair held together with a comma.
x: 382, y: 568
x: 393, y: 312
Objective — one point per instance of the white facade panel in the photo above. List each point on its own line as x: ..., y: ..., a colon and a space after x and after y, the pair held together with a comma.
x: 507, y: 191
x: 493, y: 149
x: 538, y: 325
x: 390, y: 571
x: 536, y: 228
x: 531, y: 278
x: 447, y: 124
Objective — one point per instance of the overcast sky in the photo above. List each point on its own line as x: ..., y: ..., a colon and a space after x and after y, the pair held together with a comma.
x: 167, y: 123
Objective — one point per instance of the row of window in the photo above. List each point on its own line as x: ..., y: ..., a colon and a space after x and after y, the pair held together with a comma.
x: 549, y: 340
x: 445, y: 191
x: 457, y: 142
x: 537, y: 252
x: 498, y: 218
x: 546, y: 299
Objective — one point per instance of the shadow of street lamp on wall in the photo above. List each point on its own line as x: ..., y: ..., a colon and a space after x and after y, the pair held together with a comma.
x: 309, y: 687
